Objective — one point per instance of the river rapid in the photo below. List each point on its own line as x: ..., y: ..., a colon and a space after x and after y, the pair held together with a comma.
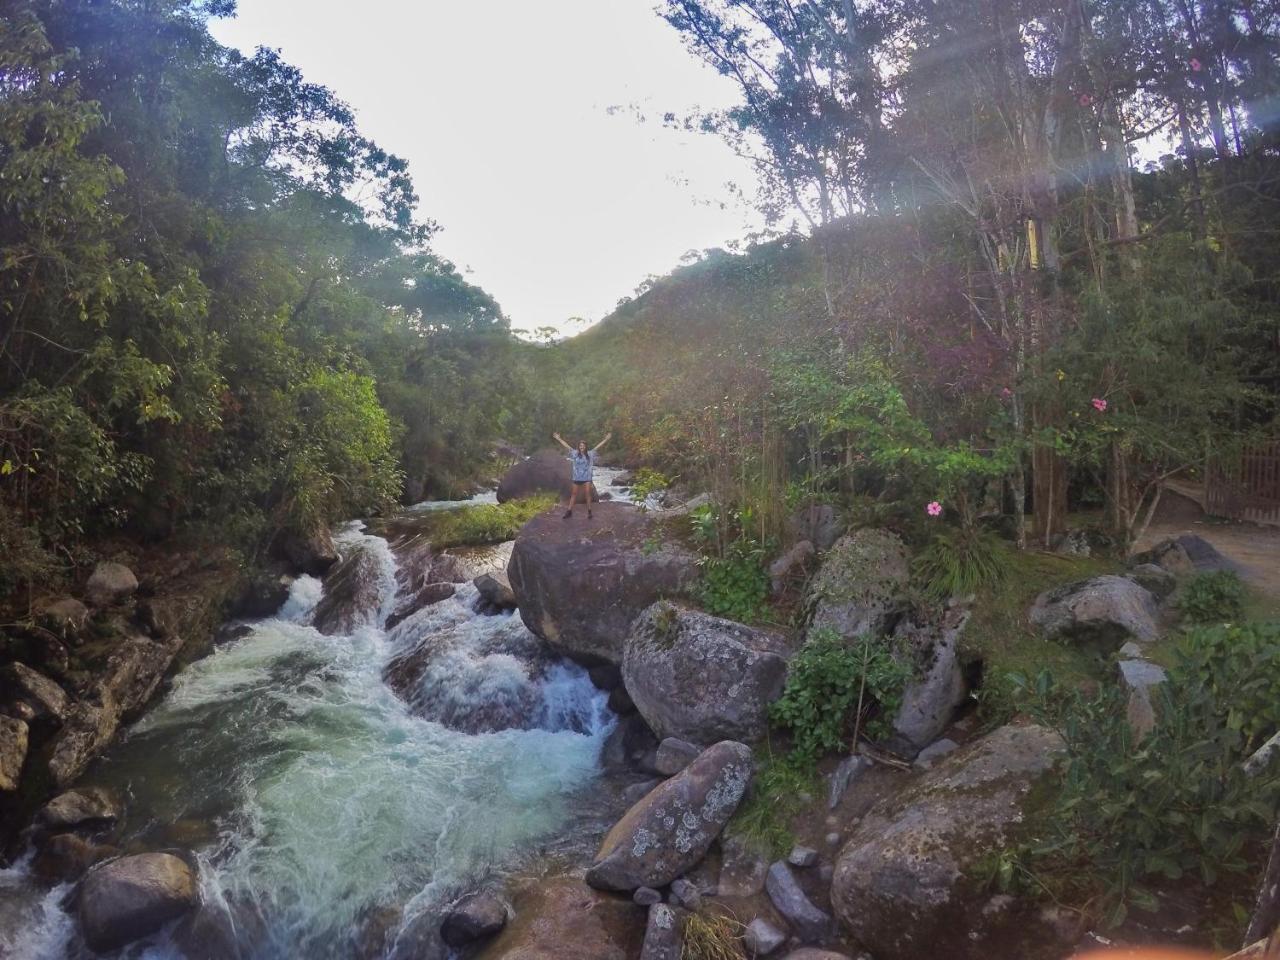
x: 317, y: 803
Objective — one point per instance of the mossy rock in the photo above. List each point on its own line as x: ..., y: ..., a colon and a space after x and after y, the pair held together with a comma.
x: 862, y: 585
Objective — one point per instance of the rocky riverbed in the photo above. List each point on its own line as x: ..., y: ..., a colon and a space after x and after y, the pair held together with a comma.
x: 533, y: 751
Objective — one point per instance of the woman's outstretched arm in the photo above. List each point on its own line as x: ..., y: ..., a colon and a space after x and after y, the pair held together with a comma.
x: 560, y: 440
x: 604, y: 441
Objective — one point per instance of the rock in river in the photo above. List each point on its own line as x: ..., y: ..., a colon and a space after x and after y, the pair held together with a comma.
x: 544, y: 472
x: 133, y: 897
x: 670, y: 830
x: 700, y: 678
x: 580, y: 583
x: 93, y: 806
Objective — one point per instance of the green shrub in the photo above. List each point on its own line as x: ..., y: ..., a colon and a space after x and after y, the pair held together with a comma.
x: 647, y: 482
x: 961, y: 563
x: 734, y: 585
x: 488, y: 522
x: 1175, y: 806
x: 826, y: 681
x: 1213, y: 597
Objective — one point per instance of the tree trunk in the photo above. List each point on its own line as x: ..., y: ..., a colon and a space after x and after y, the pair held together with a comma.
x: 1266, y: 912
x: 1048, y: 493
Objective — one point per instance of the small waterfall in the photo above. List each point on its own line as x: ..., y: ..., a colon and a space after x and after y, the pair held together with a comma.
x: 320, y: 800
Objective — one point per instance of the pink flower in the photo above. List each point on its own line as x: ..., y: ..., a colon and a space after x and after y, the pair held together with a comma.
x: 1099, y: 404
x: 1085, y: 99
x: 1195, y: 64
x: 1006, y: 393
x: 934, y: 509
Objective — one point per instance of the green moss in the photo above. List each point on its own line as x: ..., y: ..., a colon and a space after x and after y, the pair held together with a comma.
x: 859, y: 567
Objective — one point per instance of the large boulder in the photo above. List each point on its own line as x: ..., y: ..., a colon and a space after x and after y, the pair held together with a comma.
x: 353, y: 592
x: 83, y: 806
x: 133, y: 897
x: 476, y: 916
x: 1184, y: 554
x: 563, y: 919
x: 65, y: 617
x: 544, y: 472
x: 700, y: 678
x: 670, y: 830
x: 312, y: 553
x: 937, y: 686
x: 579, y: 584
x: 66, y: 856
x: 495, y: 590
x: 819, y: 523
x: 861, y: 587
x: 1106, y: 610
x: 900, y: 884
x: 89, y: 727
x: 46, y: 698
x: 110, y: 583
x: 13, y: 751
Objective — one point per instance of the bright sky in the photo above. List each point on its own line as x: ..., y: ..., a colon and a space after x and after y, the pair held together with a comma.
x: 554, y: 206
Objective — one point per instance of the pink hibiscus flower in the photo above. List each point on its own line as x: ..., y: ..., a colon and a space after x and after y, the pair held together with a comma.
x: 1195, y: 64
x: 1099, y: 404
x: 934, y: 509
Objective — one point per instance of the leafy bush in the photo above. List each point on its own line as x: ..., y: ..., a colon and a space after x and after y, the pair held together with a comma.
x: 734, y: 585
x: 1213, y: 597
x: 647, y: 482
x: 488, y: 522
x: 827, y: 681
x: 1131, y: 813
x: 960, y: 563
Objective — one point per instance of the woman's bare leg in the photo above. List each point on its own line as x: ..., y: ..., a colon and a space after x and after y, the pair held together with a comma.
x: 573, y: 495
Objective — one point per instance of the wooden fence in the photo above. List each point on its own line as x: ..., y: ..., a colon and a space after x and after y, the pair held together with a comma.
x: 1247, y: 487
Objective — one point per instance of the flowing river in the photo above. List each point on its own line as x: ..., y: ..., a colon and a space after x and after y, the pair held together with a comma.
x: 316, y: 802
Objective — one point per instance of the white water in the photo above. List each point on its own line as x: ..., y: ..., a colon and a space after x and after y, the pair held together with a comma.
x: 313, y: 792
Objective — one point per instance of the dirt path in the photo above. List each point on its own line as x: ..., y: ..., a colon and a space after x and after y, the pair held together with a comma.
x: 1254, y: 549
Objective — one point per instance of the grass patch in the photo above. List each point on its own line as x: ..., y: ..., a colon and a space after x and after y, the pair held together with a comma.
x: 1001, y: 635
x: 778, y: 795
x: 487, y: 523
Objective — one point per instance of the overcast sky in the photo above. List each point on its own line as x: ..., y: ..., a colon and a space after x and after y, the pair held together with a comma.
x: 549, y: 202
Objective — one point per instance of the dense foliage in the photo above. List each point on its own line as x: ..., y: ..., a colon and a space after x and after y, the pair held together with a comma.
x: 836, y: 691
x: 1141, y: 812
x: 217, y: 307
x: 1213, y: 597
x: 993, y: 304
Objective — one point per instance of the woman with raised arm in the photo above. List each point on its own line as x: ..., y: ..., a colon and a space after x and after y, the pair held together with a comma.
x: 583, y: 461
